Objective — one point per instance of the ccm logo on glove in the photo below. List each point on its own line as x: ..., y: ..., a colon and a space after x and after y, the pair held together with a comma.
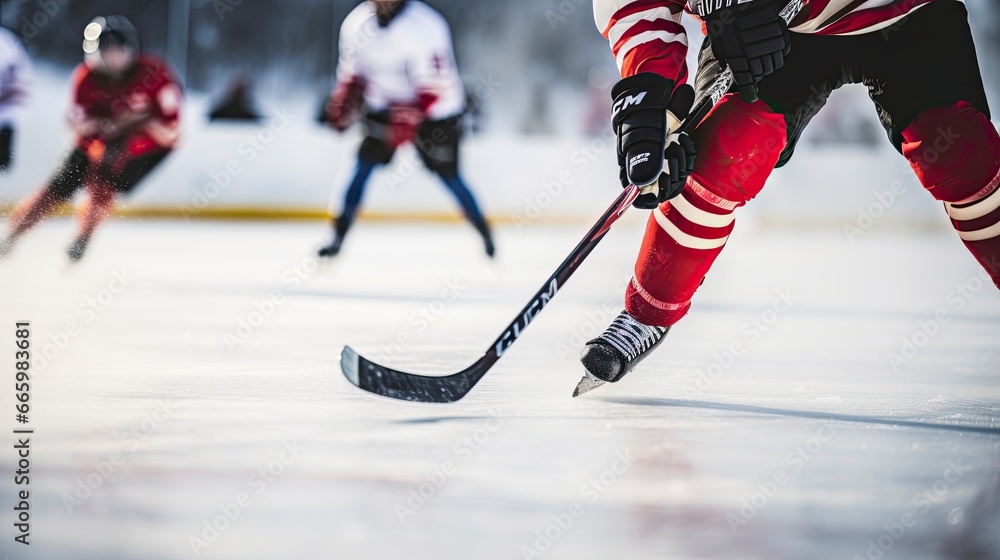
x: 650, y: 154
x: 627, y: 102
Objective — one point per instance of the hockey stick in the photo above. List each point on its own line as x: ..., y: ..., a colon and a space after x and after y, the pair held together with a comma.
x: 411, y: 387
x: 396, y: 384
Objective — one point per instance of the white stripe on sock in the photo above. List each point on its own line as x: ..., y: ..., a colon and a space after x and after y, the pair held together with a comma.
x: 685, y: 239
x: 694, y: 214
x: 981, y: 234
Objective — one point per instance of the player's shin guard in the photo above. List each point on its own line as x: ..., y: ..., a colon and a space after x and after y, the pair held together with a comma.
x: 955, y: 152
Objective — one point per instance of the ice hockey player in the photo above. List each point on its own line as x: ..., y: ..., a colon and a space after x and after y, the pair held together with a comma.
x: 126, y: 118
x: 397, y: 71
x: 918, y: 60
x: 15, y: 71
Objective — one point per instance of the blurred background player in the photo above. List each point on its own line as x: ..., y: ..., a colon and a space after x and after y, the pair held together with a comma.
x: 126, y: 117
x: 919, y: 62
x: 397, y: 69
x: 15, y: 71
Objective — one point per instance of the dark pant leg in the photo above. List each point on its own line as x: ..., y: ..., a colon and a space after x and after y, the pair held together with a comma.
x: 466, y: 201
x: 133, y: 171
x: 437, y: 143
x: 814, y: 69
x: 352, y: 199
x: 925, y: 60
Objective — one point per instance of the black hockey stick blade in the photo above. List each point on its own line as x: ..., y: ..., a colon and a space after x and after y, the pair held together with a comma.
x: 396, y: 384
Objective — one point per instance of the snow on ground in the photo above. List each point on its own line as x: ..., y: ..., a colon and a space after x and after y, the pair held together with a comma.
x: 186, y: 376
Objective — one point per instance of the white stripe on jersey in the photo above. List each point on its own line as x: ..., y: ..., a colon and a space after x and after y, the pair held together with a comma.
x: 815, y: 24
x: 647, y: 36
x: 622, y: 26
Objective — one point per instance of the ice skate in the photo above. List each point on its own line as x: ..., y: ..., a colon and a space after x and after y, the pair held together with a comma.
x: 617, y: 351
x: 77, y: 249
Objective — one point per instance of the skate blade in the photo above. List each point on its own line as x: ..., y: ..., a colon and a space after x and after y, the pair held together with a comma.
x: 587, y: 383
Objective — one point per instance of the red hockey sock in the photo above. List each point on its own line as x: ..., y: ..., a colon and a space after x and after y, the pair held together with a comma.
x: 683, y: 238
x: 33, y: 210
x: 955, y: 152
x: 738, y: 147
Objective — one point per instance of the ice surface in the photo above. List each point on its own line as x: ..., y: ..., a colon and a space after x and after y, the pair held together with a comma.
x: 829, y: 444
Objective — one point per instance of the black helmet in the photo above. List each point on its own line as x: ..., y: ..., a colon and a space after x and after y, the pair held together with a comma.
x: 107, y: 31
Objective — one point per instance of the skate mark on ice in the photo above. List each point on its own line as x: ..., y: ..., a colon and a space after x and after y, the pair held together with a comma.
x: 832, y: 416
x: 441, y: 419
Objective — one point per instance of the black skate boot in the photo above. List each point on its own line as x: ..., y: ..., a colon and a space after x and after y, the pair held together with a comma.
x: 332, y: 249
x: 484, y: 230
x: 76, y: 250
x: 621, y: 347
x: 340, y: 228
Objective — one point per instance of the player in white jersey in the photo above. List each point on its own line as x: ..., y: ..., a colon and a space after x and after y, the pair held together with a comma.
x: 397, y: 71
x: 15, y: 70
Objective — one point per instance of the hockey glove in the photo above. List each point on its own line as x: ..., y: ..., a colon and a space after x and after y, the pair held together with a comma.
x: 749, y: 37
x: 405, y: 120
x: 646, y: 112
x: 345, y: 103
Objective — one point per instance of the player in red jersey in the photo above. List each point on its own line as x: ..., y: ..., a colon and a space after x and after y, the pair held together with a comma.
x: 126, y: 116
x: 918, y: 60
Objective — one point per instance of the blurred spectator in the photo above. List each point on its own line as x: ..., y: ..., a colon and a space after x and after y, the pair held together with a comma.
x: 238, y: 104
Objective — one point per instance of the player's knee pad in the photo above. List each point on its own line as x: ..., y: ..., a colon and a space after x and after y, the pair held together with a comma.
x: 738, y: 146
x: 955, y: 152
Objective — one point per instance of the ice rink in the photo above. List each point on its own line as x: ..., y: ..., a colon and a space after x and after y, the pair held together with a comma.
x: 824, y: 399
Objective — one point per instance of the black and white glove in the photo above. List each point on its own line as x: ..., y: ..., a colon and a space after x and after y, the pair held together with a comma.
x: 749, y: 36
x: 646, y: 113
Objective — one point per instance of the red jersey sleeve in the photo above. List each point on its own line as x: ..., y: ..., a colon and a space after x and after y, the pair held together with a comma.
x: 81, y: 87
x: 645, y: 36
x: 163, y: 89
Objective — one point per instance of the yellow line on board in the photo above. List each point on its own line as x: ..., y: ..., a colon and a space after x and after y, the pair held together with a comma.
x: 247, y: 213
